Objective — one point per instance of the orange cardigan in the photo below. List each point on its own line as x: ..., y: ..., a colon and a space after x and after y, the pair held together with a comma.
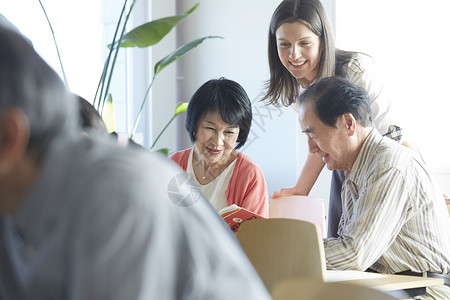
x: 247, y: 187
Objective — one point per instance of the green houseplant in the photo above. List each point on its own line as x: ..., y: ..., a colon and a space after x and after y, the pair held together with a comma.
x: 145, y: 35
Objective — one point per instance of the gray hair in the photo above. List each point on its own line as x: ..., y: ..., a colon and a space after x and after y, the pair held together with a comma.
x: 29, y: 84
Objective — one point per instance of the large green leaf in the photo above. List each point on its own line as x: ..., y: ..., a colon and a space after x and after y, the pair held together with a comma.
x: 160, y: 65
x: 152, y: 32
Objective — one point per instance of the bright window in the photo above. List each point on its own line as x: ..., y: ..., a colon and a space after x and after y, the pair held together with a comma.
x: 409, y: 41
x: 78, y: 30
x: 83, y: 29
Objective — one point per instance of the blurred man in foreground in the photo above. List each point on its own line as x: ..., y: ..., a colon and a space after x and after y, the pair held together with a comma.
x: 87, y: 219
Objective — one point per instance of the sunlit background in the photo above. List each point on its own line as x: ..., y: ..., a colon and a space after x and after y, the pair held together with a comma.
x: 408, y: 40
x: 78, y: 30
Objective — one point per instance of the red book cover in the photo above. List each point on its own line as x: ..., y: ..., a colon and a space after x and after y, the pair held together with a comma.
x: 235, y: 216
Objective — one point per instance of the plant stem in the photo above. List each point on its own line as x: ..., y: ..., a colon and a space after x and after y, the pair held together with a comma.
x: 101, y: 83
x: 116, y: 54
x: 136, y: 122
x: 162, y: 131
x: 56, y: 45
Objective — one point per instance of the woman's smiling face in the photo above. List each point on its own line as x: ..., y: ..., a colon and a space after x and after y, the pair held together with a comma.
x: 299, y: 50
x: 215, y: 140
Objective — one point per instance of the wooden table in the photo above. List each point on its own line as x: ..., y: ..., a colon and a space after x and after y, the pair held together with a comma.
x: 384, y: 282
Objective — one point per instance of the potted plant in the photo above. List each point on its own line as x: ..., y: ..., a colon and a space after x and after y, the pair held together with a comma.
x: 145, y: 35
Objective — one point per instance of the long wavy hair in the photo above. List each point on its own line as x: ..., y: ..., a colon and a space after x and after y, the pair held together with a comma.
x: 282, y: 88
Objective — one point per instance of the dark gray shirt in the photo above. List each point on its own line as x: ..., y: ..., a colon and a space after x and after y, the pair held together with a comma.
x: 104, y: 222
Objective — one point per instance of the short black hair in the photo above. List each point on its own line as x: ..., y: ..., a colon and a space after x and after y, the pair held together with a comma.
x: 90, y: 117
x: 332, y: 97
x: 226, y: 97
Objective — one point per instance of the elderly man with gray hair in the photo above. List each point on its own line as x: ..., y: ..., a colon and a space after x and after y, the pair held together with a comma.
x: 394, y: 217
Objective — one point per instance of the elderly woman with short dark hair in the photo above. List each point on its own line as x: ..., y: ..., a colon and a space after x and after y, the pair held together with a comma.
x: 218, y: 120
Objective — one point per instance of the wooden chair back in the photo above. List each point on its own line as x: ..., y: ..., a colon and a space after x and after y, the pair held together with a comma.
x: 283, y: 248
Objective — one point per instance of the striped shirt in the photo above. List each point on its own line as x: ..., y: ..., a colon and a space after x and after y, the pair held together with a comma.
x: 394, y: 215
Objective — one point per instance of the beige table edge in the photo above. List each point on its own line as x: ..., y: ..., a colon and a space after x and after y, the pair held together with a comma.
x: 397, y: 282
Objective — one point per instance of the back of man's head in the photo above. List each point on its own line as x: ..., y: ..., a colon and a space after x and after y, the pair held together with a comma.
x: 334, y: 96
x: 29, y: 84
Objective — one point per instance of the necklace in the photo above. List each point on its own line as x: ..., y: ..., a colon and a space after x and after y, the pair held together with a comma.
x: 213, y: 171
x: 210, y: 172
x: 205, y: 173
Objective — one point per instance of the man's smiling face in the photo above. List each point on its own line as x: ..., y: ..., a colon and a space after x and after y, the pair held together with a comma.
x: 331, y: 144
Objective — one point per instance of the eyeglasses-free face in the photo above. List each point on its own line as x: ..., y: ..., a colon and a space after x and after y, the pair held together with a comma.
x: 215, y: 140
x: 299, y: 50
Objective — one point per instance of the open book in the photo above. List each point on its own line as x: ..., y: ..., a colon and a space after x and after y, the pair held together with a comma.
x: 235, y: 216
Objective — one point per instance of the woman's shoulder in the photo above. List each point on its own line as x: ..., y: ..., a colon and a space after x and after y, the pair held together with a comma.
x: 181, y: 157
x: 359, y: 63
x: 181, y: 153
x: 245, y: 163
x: 359, y: 68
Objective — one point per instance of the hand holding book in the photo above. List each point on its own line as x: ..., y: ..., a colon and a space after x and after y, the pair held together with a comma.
x: 235, y: 215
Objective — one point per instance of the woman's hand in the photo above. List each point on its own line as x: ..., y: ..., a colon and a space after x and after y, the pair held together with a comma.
x: 308, y: 176
x: 286, y: 192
